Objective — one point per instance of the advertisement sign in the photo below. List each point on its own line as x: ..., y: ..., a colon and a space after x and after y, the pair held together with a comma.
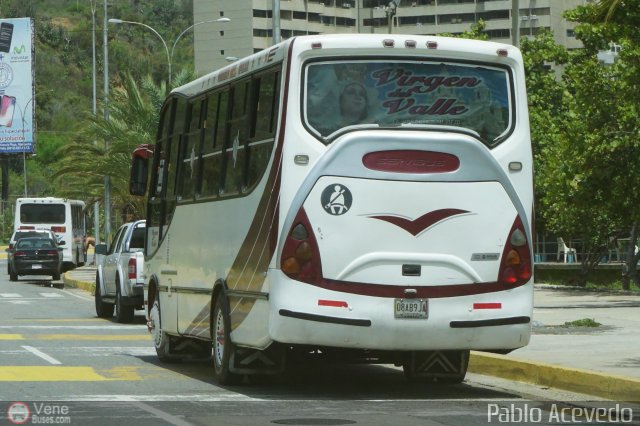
x: 17, y: 93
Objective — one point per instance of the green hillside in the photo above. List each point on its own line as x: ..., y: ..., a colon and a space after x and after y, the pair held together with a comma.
x: 64, y: 66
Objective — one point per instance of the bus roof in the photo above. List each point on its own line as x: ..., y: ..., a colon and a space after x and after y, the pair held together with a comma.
x: 355, y: 45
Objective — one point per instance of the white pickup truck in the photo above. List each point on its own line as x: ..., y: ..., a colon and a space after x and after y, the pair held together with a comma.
x: 119, y: 277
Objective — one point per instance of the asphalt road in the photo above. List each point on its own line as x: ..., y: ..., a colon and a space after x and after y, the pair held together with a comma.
x: 60, y: 363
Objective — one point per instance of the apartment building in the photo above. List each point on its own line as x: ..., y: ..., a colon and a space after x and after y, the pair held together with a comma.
x: 251, y: 26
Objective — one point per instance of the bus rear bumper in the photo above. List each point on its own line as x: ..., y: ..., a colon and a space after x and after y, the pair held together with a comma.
x: 298, y: 316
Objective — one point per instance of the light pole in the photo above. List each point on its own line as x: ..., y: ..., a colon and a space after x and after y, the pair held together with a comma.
x: 164, y: 43
x: 24, y: 155
x: 107, y: 178
x: 96, y: 207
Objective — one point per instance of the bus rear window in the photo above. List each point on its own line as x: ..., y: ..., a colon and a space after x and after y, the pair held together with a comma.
x: 394, y: 93
x: 42, y: 213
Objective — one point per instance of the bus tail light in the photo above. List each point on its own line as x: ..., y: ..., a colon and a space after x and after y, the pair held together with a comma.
x: 300, y: 258
x: 515, y: 267
x: 132, y: 271
x: 59, y: 229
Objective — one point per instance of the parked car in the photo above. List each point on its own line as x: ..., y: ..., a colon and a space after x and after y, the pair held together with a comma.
x: 120, y: 273
x: 35, y: 256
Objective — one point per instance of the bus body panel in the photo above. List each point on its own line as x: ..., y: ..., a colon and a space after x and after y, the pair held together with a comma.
x: 375, y: 237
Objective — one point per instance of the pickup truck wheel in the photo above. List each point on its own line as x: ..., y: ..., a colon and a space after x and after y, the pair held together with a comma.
x: 103, y: 309
x: 222, y: 345
x: 160, y: 338
x: 124, y: 313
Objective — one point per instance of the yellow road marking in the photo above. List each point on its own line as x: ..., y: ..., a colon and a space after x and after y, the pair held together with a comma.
x: 145, y: 336
x: 58, y: 373
x: 58, y: 320
x: 63, y: 374
x: 11, y: 337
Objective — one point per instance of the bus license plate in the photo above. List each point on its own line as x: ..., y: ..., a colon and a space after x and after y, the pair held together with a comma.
x: 36, y: 266
x: 411, y: 308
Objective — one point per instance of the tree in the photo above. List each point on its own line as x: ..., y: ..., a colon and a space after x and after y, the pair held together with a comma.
x: 584, y: 141
x: 133, y: 120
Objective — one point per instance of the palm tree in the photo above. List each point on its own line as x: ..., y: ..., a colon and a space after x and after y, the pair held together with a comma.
x: 133, y: 120
x: 607, y: 8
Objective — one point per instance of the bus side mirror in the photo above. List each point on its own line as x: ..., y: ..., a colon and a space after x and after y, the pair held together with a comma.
x: 139, y: 175
x: 140, y: 169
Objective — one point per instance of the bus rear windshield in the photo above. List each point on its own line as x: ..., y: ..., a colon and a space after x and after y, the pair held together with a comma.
x: 42, y: 213
x: 394, y: 93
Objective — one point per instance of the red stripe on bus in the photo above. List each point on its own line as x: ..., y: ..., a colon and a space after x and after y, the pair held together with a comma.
x: 487, y: 306
x: 333, y: 303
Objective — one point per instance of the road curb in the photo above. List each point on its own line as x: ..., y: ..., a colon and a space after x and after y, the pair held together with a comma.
x: 87, y: 286
x: 608, y: 386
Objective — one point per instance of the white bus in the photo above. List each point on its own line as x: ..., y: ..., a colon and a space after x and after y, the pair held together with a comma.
x: 64, y: 217
x: 366, y: 198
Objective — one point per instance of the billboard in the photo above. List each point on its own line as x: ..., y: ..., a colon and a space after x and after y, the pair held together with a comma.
x: 17, y: 89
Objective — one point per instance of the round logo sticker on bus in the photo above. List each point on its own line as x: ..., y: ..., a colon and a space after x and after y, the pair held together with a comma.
x: 336, y: 199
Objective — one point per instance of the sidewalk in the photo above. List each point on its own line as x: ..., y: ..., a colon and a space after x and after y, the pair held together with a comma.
x: 601, y: 361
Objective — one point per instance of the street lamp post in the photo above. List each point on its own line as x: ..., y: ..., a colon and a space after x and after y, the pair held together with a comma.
x: 164, y: 43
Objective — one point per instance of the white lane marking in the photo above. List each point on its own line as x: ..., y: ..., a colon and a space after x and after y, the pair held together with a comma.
x: 163, y: 415
x: 51, y: 295
x: 42, y: 355
x: 77, y: 327
x: 79, y: 296
x: 10, y: 295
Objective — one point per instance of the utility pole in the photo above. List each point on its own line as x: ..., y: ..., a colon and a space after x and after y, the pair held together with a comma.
x: 96, y: 207
x: 515, y: 22
x: 275, y: 19
x: 107, y: 180
x: 391, y: 12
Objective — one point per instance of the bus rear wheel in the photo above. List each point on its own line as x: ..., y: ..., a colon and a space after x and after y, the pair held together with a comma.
x: 222, y: 345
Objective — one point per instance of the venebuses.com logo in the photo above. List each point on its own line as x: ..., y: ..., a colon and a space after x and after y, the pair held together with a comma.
x: 20, y: 413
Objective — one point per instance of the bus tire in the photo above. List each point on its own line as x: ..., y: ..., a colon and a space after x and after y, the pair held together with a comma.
x: 222, y: 345
x: 124, y: 313
x: 103, y: 309
x: 161, y: 340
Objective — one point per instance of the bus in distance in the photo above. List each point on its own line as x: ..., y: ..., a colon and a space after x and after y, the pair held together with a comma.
x: 64, y: 217
x: 365, y: 198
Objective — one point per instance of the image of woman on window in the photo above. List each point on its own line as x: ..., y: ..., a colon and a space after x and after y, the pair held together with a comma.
x: 353, y: 104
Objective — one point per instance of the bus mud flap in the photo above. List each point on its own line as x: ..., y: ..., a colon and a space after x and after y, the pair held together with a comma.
x: 255, y: 361
x: 436, y: 366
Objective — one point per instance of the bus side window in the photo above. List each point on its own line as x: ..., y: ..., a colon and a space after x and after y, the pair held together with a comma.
x: 264, y: 116
x: 190, y: 153
x: 155, y: 205
x: 212, y: 147
x: 235, y: 147
x: 174, y: 143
